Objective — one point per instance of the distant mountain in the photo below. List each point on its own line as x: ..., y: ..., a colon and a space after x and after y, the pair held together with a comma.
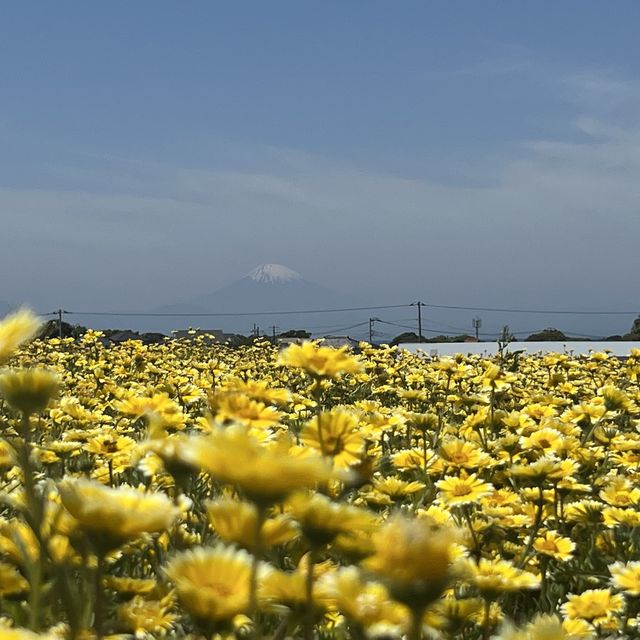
x: 259, y: 295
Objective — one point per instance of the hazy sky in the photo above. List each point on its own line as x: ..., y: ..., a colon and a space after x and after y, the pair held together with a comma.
x: 470, y: 153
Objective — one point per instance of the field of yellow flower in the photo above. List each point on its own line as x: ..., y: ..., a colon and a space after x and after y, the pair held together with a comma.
x: 189, y: 490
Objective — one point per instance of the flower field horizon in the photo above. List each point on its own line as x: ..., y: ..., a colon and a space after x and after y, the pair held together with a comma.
x: 193, y: 490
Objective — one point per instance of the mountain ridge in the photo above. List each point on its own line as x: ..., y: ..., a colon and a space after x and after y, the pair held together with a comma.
x: 267, y: 289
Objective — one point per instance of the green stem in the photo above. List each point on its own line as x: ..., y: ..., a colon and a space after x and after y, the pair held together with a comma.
x: 34, y: 520
x: 486, y: 620
x: 415, y: 631
x: 534, y: 529
x: 424, y: 450
x: 69, y: 601
x: 98, y: 599
x: 309, y: 618
x: 253, y: 579
x: 474, y: 537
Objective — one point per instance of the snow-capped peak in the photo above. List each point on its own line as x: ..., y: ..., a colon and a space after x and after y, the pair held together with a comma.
x: 273, y: 274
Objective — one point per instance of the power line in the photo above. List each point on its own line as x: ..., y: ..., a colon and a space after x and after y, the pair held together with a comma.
x: 353, y: 326
x: 340, y: 310
x: 406, y: 326
x: 229, y: 314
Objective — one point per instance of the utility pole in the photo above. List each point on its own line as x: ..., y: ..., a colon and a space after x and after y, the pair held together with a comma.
x: 371, y: 331
x: 273, y: 328
x: 60, y: 324
x: 477, y: 323
x: 419, y: 305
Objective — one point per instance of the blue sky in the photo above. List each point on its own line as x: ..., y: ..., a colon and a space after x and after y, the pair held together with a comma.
x: 468, y: 152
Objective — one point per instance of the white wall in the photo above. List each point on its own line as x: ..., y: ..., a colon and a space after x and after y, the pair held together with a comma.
x: 491, y: 348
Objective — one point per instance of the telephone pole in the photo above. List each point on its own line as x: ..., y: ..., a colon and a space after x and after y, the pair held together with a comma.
x: 60, y: 324
x: 419, y: 304
x: 477, y: 323
x: 273, y: 329
x: 371, y: 331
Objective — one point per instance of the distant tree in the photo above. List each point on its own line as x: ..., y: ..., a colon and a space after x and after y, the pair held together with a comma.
x: 463, y: 337
x: 295, y: 333
x: 236, y: 340
x: 407, y: 336
x: 546, y: 335
x: 634, y: 333
x: 51, y: 329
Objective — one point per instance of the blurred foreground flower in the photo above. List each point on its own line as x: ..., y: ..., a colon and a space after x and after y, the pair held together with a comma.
x: 413, y: 558
x: 113, y: 516
x: 264, y: 475
x: 213, y: 584
x: 236, y: 521
x: 494, y: 577
x: 29, y: 390
x: 15, y: 329
x: 320, y: 362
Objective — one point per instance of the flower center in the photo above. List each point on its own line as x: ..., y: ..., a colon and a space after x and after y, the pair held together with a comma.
x: 462, y: 490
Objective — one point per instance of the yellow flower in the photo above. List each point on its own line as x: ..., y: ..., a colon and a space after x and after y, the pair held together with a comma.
x: 131, y: 586
x: 109, y: 445
x: 554, y: 545
x: 159, y: 410
x: 462, y: 490
x: 542, y: 627
x: 234, y: 407
x: 413, y: 558
x: 460, y: 453
x: 7, y: 454
x: 140, y: 616
x: 547, y: 440
x: 396, y: 488
x: 212, y: 583
x: 494, y: 577
x: 335, y: 434
x: 458, y: 612
x: 11, y: 581
x: 284, y: 588
x: 18, y: 543
x: 626, y: 577
x: 616, y: 400
x: 585, y: 511
x: 259, y: 390
x: 265, y: 475
x: 16, y: 329
x: 112, y: 516
x: 576, y: 629
x: 322, y: 520
x: 615, y: 516
x: 235, y: 521
x: 620, y: 492
x: 593, y: 605
x: 320, y: 362
x: 9, y: 633
x: 366, y: 603
x: 354, y: 545
x: 408, y: 459
x: 29, y: 390
x: 494, y: 378
x: 542, y: 469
